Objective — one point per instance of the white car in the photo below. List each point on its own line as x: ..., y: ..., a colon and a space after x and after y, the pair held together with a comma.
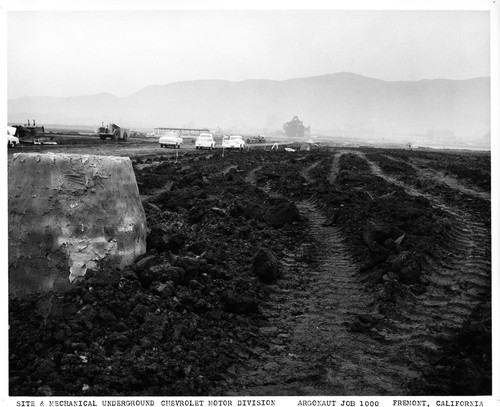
x: 170, y: 139
x: 205, y: 140
x: 233, y: 142
x: 12, y: 140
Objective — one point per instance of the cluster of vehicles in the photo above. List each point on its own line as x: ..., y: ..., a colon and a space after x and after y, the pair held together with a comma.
x: 30, y: 134
x: 174, y: 140
x: 204, y: 140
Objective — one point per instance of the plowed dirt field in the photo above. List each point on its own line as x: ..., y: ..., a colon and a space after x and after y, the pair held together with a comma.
x: 323, y: 272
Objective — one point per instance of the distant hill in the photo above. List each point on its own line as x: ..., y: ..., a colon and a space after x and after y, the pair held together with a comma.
x: 344, y: 103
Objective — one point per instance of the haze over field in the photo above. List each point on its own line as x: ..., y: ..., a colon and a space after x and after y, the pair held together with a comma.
x: 401, y: 75
x: 348, y: 104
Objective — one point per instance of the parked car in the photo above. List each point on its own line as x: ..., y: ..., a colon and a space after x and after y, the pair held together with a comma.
x: 233, y: 142
x: 205, y: 140
x: 12, y: 140
x: 170, y: 139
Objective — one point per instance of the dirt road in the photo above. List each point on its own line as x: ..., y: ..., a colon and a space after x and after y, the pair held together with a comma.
x: 134, y: 147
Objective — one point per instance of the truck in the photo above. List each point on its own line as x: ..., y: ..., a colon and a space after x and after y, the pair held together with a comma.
x: 113, y: 131
x: 170, y: 139
x: 205, y: 140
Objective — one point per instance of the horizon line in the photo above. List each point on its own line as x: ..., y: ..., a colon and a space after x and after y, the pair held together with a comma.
x: 250, y: 80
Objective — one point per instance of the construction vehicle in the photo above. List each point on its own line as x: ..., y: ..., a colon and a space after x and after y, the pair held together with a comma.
x: 33, y: 134
x: 113, y: 132
x: 256, y: 140
x: 295, y: 128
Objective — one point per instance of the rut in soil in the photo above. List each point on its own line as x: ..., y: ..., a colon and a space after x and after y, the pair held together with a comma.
x: 459, y: 277
x: 313, y: 349
x: 356, y: 363
x: 464, y: 266
x: 440, y: 177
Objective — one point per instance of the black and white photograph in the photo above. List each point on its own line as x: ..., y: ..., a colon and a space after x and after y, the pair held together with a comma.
x: 249, y: 200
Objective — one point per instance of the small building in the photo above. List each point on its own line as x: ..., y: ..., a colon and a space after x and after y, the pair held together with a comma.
x: 161, y: 131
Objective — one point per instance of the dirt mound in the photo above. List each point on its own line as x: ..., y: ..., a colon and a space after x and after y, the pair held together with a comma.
x: 142, y: 331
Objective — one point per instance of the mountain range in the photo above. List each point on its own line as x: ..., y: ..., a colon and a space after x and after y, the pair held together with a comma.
x: 341, y: 103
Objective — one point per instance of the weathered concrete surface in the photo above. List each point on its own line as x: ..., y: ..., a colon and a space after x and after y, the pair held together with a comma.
x: 66, y: 212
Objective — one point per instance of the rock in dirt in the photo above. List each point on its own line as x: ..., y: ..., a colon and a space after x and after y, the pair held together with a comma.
x: 379, y: 232
x: 407, y: 267
x: 176, y: 242
x: 146, y: 261
x: 281, y: 214
x: 191, y: 265
x: 156, y: 240
x: 250, y: 210
x: 198, y: 247
x: 196, y: 214
x: 265, y: 266
x: 400, y: 260
x: 441, y: 226
x: 162, y: 272
x: 410, y: 274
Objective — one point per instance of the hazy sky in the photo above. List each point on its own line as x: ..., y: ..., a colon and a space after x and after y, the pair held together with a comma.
x: 68, y: 53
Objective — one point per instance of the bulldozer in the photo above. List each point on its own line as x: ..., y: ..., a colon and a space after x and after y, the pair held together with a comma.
x: 33, y: 134
x: 112, y: 131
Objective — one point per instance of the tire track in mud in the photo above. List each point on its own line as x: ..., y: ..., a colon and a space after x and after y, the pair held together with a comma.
x: 458, y: 278
x: 441, y: 178
x: 464, y: 267
x: 334, y: 171
x: 357, y: 363
x: 313, y: 349
x: 305, y: 172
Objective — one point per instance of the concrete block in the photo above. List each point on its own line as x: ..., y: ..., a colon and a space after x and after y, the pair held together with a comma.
x: 67, y: 212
